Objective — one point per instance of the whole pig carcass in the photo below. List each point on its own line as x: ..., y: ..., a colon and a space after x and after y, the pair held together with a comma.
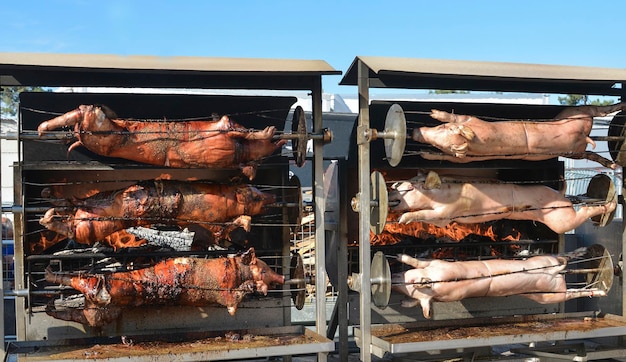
x: 464, y: 138
x: 431, y: 200
x: 158, y: 202
x: 221, y: 144
x: 538, y: 278
x: 177, y: 281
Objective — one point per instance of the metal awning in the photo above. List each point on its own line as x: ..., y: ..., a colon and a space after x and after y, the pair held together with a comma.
x: 100, y: 70
x: 386, y: 72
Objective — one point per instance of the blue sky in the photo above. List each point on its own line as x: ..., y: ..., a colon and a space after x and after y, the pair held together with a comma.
x: 573, y: 32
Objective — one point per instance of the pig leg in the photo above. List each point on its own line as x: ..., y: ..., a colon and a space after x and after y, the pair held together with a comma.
x: 592, y: 156
x: 446, y: 117
x: 91, y: 315
x: 416, y: 263
x: 407, y: 283
x: 248, y: 170
x: 559, y: 297
x: 590, y: 111
x: 562, y: 220
x: 67, y: 119
x: 408, y: 286
x: 430, y: 216
x: 577, y: 293
x: 243, y: 221
x: 426, y: 304
x: 264, y: 134
x: 93, y: 287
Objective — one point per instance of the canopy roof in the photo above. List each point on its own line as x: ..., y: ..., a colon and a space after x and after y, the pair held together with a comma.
x: 76, y: 70
x: 386, y: 72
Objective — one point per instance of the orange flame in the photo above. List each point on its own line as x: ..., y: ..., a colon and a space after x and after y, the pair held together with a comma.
x: 395, y: 232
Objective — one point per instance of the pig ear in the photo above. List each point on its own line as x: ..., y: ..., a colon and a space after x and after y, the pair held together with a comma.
x: 108, y: 112
x: 248, y: 257
x: 432, y: 181
x: 467, y: 132
x: 420, y: 174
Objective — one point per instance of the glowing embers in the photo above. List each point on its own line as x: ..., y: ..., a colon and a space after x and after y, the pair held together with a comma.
x: 453, y: 232
x: 465, y: 241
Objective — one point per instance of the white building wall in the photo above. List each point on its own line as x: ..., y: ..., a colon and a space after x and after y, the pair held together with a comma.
x: 8, y: 156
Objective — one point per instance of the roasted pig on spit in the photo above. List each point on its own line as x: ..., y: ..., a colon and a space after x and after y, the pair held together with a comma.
x: 539, y: 278
x: 176, y: 281
x: 158, y: 202
x: 429, y: 200
x: 221, y: 144
x: 464, y: 138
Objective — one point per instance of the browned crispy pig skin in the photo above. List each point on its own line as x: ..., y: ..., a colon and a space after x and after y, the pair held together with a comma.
x: 181, y: 144
x: 538, y: 278
x: 162, y: 202
x: 176, y: 281
x: 464, y: 138
x: 91, y: 314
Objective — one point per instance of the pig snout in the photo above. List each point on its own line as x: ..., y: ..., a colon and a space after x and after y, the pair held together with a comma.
x: 264, y: 276
x: 396, y: 196
x: 255, y: 200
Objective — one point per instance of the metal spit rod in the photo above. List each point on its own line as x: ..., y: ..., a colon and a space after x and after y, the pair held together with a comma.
x: 325, y: 136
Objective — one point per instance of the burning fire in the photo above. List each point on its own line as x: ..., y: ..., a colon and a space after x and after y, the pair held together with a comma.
x: 396, y: 232
x: 46, y: 240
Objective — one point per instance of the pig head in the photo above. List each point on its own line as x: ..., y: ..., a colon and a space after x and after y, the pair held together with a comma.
x: 261, y: 273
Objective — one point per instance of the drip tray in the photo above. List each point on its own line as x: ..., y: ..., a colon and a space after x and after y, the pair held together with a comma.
x: 206, y: 346
x: 470, y: 333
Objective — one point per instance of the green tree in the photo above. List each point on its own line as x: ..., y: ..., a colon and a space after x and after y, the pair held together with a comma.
x: 447, y: 91
x: 579, y: 99
x: 11, y: 98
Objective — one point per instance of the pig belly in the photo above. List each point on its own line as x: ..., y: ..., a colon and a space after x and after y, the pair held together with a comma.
x: 215, y: 144
x: 508, y: 201
x: 453, y: 281
x: 527, y: 140
x: 500, y: 286
x: 175, y: 144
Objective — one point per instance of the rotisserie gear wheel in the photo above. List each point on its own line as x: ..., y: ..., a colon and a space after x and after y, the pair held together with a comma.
x: 298, y: 127
x: 602, y: 264
x: 298, y: 293
x: 616, y: 146
x: 395, y: 124
x: 601, y: 187
x: 380, y: 275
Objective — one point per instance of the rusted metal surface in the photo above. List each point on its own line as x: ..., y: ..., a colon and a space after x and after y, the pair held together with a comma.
x: 222, y: 345
x: 416, y: 337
